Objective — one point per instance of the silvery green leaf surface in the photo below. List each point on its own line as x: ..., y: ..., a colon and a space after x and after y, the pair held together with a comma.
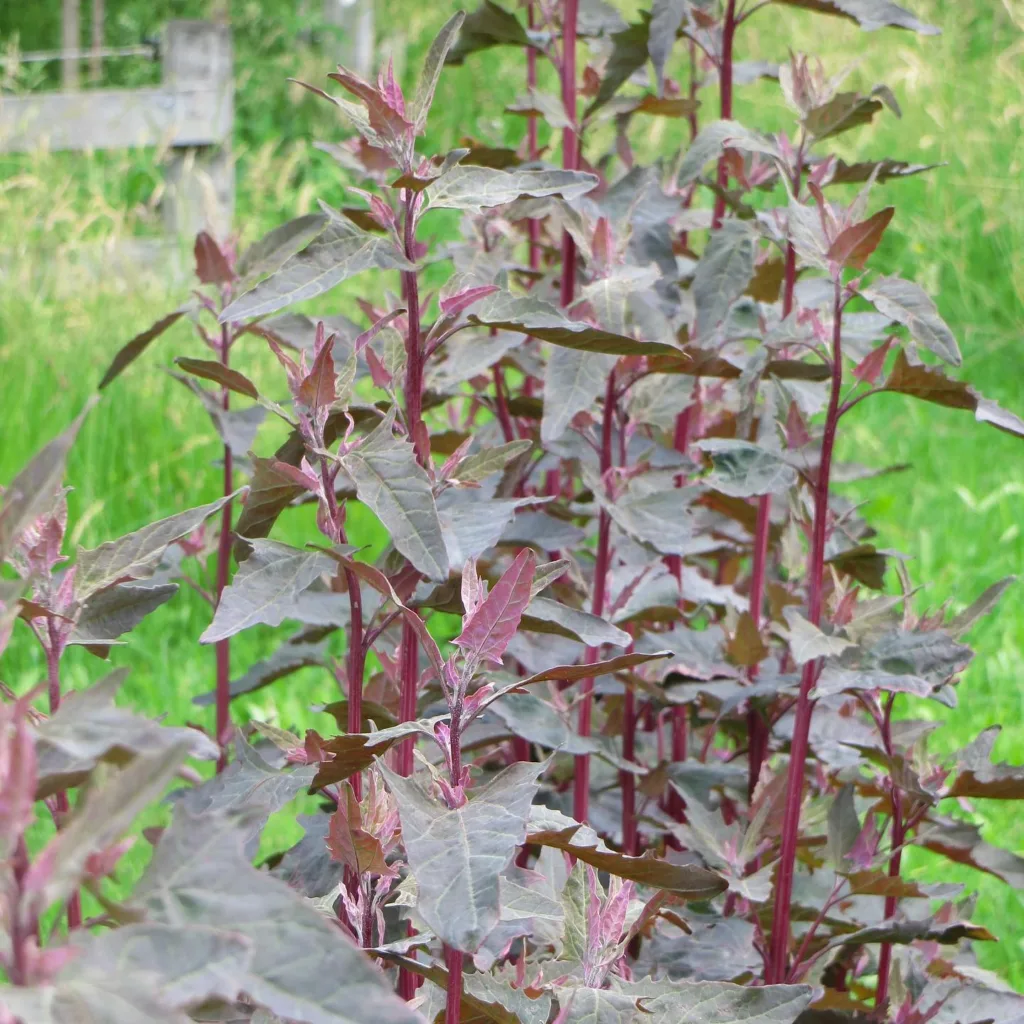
x: 457, y: 856
x: 265, y: 588
x: 397, y: 490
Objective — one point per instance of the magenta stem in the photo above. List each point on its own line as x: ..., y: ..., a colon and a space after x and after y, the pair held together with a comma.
x: 570, y: 141
x: 725, y: 91
x: 54, y: 649
x: 581, y: 782
x: 223, y: 647
x: 898, y: 838
x: 779, y: 950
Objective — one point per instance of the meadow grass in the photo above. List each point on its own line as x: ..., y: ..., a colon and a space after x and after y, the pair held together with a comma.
x: 959, y: 230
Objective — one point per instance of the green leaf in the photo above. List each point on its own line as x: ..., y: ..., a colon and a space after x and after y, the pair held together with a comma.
x: 189, y: 965
x: 666, y: 18
x: 723, y: 273
x: 552, y: 828
x: 209, y: 369
x: 869, y: 14
x: 265, y: 588
x: 713, y: 139
x: 742, y: 469
x: 472, y: 188
x: 30, y: 494
x: 435, y: 60
x: 457, y: 856
x: 470, y: 527
x: 718, y: 1002
x: 843, y: 826
x: 249, y: 785
x: 808, y: 643
x: 629, y: 54
x: 539, y: 319
x: 489, y: 25
x: 573, y: 622
x: 287, y: 659
x: 572, y: 380
x: 117, y: 610
x: 100, y: 819
x: 135, y: 556
x: 482, y: 464
x: 302, y: 966
x: 910, y: 306
x: 391, y: 483
x: 89, y: 728
x: 266, y: 254
x: 340, y: 251
x: 134, y: 348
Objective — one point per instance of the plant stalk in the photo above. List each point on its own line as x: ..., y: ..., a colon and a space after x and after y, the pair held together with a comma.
x: 570, y: 142
x: 533, y: 226
x: 757, y: 729
x: 725, y: 90
x: 581, y: 781
x: 53, y: 650
x: 779, y: 949
x: 628, y: 779
x: 223, y: 647
x: 898, y: 838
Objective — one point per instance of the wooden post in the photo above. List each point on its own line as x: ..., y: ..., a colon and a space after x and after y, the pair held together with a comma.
x: 200, y: 178
x: 71, y: 39
x: 95, y: 56
x: 355, y: 20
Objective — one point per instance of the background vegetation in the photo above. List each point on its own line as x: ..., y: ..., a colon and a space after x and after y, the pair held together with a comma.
x: 140, y: 455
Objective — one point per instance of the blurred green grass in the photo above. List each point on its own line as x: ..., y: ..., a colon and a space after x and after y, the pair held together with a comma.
x: 958, y: 230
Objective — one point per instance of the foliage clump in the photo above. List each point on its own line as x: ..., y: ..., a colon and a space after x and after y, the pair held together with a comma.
x: 662, y: 767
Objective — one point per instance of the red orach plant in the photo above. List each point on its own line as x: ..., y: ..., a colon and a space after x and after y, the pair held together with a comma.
x: 664, y: 770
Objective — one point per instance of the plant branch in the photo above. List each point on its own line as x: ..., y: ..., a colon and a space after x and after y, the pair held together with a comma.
x: 779, y: 951
x: 898, y: 836
x: 223, y: 647
x: 725, y: 87
x: 570, y: 141
x: 581, y: 782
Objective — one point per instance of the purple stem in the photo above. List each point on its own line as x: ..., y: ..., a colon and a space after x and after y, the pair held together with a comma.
x: 898, y: 838
x: 777, y: 965
x: 223, y: 647
x: 570, y: 148
x: 54, y: 649
x: 725, y: 90
x: 581, y: 782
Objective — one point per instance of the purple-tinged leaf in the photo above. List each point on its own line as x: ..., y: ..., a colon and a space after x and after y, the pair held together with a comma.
x: 980, y: 607
x: 392, y: 128
x: 271, y: 491
x: 209, y: 369
x: 268, y: 253
x: 286, y: 660
x: 436, y: 57
x: 32, y: 491
x: 17, y: 776
x: 551, y: 828
x: 453, y: 305
x: 722, y: 274
x: 473, y: 188
x: 136, y: 555
x: 489, y: 25
x: 367, y: 336
x: 317, y: 389
x: 109, y: 613
x: 909, y: 305
x: 88, y: 728
x: 853, y: 246
x: 134, y: 348
x: 266, y: 588
x: 869, y: 14
x: 492, y: 625
x: 742, y: 469
x: 880, y: 170
x: 340, y: 251
x: 302, y: 966
x: 458, y: 855
x: 211, y: 265
x: 978, y: 777
x: 480, y: 465
x: 391, y: 483
x: 960, y: 841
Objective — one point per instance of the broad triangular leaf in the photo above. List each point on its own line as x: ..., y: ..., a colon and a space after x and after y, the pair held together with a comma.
x: 391, y: 483
x: 471, y: 188
x: 457, y: 856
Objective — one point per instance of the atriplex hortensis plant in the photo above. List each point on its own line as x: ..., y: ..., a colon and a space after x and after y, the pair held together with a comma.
x: 598, y: 434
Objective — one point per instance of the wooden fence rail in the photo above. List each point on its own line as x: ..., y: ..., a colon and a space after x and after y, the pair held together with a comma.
x: 191, y: 113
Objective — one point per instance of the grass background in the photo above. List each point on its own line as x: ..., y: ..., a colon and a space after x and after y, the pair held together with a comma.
x: 959, y: 231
